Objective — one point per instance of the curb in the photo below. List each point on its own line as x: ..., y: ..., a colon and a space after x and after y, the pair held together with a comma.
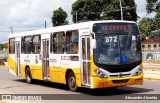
x: 151, y: 78
x: 151, y: 74
x: 157, y: 70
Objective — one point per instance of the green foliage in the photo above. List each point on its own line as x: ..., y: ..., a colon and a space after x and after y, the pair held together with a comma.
x: 129, y: 10
x: 151, y: 5
x: 1, y: 46
x: 146, y: 26
x: 154, y: 6
x: 149, y: 27
x: 92, y: 9
x: 59, y: 17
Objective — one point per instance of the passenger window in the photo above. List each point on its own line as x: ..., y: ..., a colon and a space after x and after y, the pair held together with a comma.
x: 36, y: 44
x: 58, y: 42
x: 72, y: 41
x: 28, y: 45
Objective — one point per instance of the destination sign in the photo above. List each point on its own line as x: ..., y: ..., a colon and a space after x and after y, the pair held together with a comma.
x: 116, y: 27
x: 108, y: 27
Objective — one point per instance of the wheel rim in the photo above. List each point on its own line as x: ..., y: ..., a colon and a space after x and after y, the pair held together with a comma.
x: 72, y: 82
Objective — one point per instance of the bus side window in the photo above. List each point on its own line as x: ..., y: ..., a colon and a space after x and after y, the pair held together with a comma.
x: 36, y: 44
x: 58, y: 45
x: 72, y: 41
x: 54, y: 44
x: 76, y: 47
x: 68, y: 40
x: 27, y: 45
x: 12, y: 46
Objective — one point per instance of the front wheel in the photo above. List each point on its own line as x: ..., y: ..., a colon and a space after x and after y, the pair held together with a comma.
x: 28, y: 76
x: 72, y: 82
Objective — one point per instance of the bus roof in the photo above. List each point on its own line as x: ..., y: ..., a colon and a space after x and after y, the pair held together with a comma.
x: 76, y: 26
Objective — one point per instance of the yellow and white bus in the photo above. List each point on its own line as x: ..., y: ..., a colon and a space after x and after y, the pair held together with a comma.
x: 94, y: 54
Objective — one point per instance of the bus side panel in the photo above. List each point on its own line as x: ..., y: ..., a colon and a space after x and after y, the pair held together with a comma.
x: 55, y: 71
x: 59, y: 67
x: 23, y: 70
x: 24, y: 62
x: 37, y: 68
x: 27, y: 60
x: 12, y: 63
x: 58, y: 75
x: 37, y: 72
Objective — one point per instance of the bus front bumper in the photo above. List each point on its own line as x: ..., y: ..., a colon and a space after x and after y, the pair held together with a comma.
x: 97, y: 82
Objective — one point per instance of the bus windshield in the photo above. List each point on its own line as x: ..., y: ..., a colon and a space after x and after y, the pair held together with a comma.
x: 117, y: 48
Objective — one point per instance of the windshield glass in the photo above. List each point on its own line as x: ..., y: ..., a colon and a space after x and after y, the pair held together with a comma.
x: 117, y: 48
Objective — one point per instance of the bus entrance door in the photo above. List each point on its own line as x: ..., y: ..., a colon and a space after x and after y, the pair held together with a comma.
x: 18, y: 72
x: 85, y: 63
x: 45, y: 59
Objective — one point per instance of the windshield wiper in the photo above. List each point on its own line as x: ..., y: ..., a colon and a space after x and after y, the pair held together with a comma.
x: 102, y: 34
x: 128, y: 35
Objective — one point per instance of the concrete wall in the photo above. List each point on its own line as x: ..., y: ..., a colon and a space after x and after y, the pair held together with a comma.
x: 151, y: 56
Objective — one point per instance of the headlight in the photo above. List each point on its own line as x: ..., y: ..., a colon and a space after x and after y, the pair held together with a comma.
x: 138, y: 71
x: 100, y: 73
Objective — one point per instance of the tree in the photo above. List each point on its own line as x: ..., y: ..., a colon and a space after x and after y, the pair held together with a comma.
x: 59, y: 17
x: 154, y: 6
x: 146, y: 27
x: 103, y: 10
x: 128, y: 7
x: 1, y: 46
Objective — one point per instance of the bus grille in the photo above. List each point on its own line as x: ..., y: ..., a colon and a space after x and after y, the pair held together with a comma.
x: 123, y: 75
x: 120, y: 69
x: 120, y: 81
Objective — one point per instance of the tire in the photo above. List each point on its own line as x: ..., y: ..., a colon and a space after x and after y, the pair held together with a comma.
x: 72, y: 82
x: 28, y: 76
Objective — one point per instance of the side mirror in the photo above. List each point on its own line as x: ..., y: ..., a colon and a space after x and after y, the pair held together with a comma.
x: 94, y: 43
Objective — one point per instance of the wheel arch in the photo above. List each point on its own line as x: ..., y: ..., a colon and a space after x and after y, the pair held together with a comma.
x: 77, y: 75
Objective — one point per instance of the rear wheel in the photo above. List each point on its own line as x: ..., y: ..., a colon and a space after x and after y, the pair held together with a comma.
x: 28, y: 76
x: 72, y: 82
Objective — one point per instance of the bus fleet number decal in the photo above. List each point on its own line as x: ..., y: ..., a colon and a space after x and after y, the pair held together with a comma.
x: 111, y: 39
x: 102, y: 84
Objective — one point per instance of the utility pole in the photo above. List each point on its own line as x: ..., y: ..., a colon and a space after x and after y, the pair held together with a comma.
x: 45, y: 23
x: 120, y: 4
x: 76, y: 16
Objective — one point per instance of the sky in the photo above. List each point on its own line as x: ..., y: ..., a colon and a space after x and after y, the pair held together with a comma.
x: 22, y: 15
